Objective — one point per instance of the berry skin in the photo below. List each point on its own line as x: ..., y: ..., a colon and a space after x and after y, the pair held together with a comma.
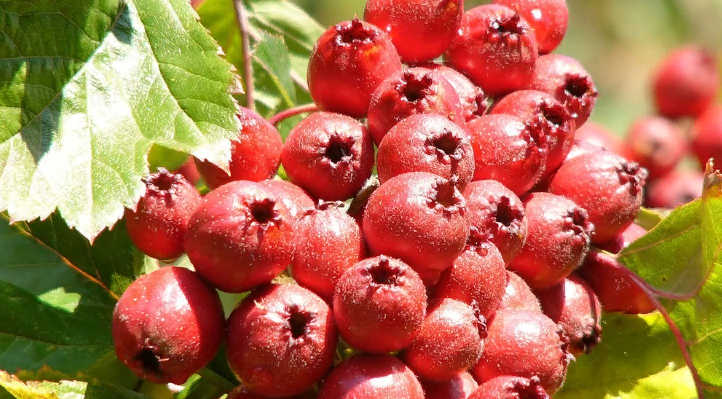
x: 451, y: 341
x: 518, y: 295
x: 241, y: 392
x: 426, y: 143
x: 281, y: 340
x: 557, y: 240
x: 576, y: 309
x: 189, y: 171
x: 296, y: 200
x: 547, y: 18
x: 598, y: 136
x: 328, y: 242
x: 707, y: 136
x: 497, y: 212
x: 371, y: 377
x: 168, y: 325
x: 496, y: 49
x: 410, y: 92
x: 565, y: 79
x: 508, y: 151
x: 607, y: 186
x: 160, y: 221
x: 411, y: 22
x: 329, y: 155
x: 656, y: 144
x: 379, y: 296
x: 255, y: 154
x: 686, y: 82
x: 459, y: 386
x: 346, y: 65
x: 542, y: 112
x: 418, y: 218
x: 675, y: 189
x: 507, y: 387
x: 474, y: 102
x: 525, y: 344
x: 240, y: 237
x: 623, y: 239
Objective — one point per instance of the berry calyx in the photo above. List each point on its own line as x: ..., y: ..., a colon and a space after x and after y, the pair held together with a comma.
x: 547, y: 18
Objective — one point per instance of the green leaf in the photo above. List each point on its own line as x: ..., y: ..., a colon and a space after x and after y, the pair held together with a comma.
x: 64, y: 389
x: 87, y: 87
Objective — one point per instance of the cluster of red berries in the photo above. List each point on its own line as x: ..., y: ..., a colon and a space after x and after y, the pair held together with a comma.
x: 471, y: 268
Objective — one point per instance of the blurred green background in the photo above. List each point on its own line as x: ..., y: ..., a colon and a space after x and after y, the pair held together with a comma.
x: 619, y: 42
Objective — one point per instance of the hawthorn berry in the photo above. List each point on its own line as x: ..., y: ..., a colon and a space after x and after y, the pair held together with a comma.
x: 707, y: 136
x: 518, y: 295
x: 459, y: 386
x: 675, y: 189
x: 508, y: 387
x: 623, y: 239
x: 296, y: 200
x: 547, y: 18
x: 656, y: 144
x: 598, y: 136
x: 474, y: 102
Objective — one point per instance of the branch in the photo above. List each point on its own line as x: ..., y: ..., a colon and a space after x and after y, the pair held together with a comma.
x: 301, y: 109
x: 247, y: 63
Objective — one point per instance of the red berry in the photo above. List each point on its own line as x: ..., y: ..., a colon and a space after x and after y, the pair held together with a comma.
x: 518, y: 295
x: 160, y: 221
x: 426, y: 143
x: 497, y: 212
x: 707, y: 136
x: 168, y: 325
x: 686, y: 82
x: 346, y: 65
x: 240, y: 237
x: 507, y: 387
x: 329, y: 155
x: 474, y: 102
x: 451, y: 341
x: 419, y: 218
x: 417, y: 39
x: 296, y: 200
x: 557, y: 240
x: 241, y: 392
x: 525, y: 344
x: 599, y: 136
x: 576, y: 309
x: 371, y: 377
x: 189, y: 171
x: 459, y: 386
x: 410, y: 92
x: 281, y: 340
x: 656, y: 144
x: 565, y: 79
x: 255, y: 154
x: 496, y: 49
x: 623, y: 239
x: 379, y: 297
x: 675, y: 189
x: 607, y: 186
x: 547, y: 18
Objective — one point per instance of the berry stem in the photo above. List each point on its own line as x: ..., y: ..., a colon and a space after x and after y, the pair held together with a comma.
x: 301, y: 109
x: 247, y: 65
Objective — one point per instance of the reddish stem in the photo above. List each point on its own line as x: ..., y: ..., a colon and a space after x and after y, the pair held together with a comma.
x: 247, y: 63
x: 301, y: 109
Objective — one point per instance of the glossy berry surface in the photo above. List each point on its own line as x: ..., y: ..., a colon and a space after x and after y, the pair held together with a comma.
x: 411, y: 22
x: 599, y: 136
x: 281, y: 340
x: 379, y: 297
x: 167, y: 325
x: 518, y: 295
x: 347, y: 63
x: 329, y: 155
x: 508, y: 387
x: 160, y: 221
x: 459, y: 386
x: 676, y: 189
x: 240, y: 237
x: 496, y: 49
x: 426, y: 143
x: 255, y: 154
x: 558, y: 238
x: 707, y: 136
x: 547, y: 18
x: 474, y: 102
x: 293, y: 197
x: 656, y: 144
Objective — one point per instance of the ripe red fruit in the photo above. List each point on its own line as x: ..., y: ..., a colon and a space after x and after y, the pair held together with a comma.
x: 675, y: 189
x: 189, y: 171
x: 607, y: 186
x: 241, y: 392
x: 450, y: 341
x: 296, y: 200
x: 474, y: 102
x: 598, y: 136
x: 508, y: 151
x: 371, y: 377
x: 379, y: 297
x: 574, y: 306
x: 240, y: 237
x: 419, y: 218
x: 459, y: 386
x: 686, y: 82
x: 557, y: 240
x: 496, y: 49
x: 160, y: 221
x: 497, y: 212
x: 542, y: 112
x: 255, y: 154
x: 566, y: 80
x: 547, y: 18
x: 168, y: 325
x: 623, y: 239
x: 508, y: 387
x: 707, y: 136
x: 400, y: 19
x: 329, y: 155
x: 525, y: 344
x: 518, y: 295
x: 426, y: 143
x: 410, y: 92
x: 656, y: 144
x: 281, y: 340
x: 346, y: 65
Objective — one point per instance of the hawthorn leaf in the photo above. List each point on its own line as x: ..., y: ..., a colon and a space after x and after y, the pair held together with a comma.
x: 64, y: 389
x: 88, y: 87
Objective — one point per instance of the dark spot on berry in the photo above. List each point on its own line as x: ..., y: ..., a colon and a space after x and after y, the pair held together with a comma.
x: 149, y: 361
x: 264, y: 211
x: 554, y: 114
x: 509, y: 26
x: 337, y: 150
x: 577, y: 86
x: 384, y: 273
x: 506, y: 214
x: 356, y: 33
x: 299, y: 322
x: 446, y: 142
x: 414, y: 88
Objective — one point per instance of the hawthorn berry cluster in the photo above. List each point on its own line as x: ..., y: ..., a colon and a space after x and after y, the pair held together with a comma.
x: 471, y: 268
